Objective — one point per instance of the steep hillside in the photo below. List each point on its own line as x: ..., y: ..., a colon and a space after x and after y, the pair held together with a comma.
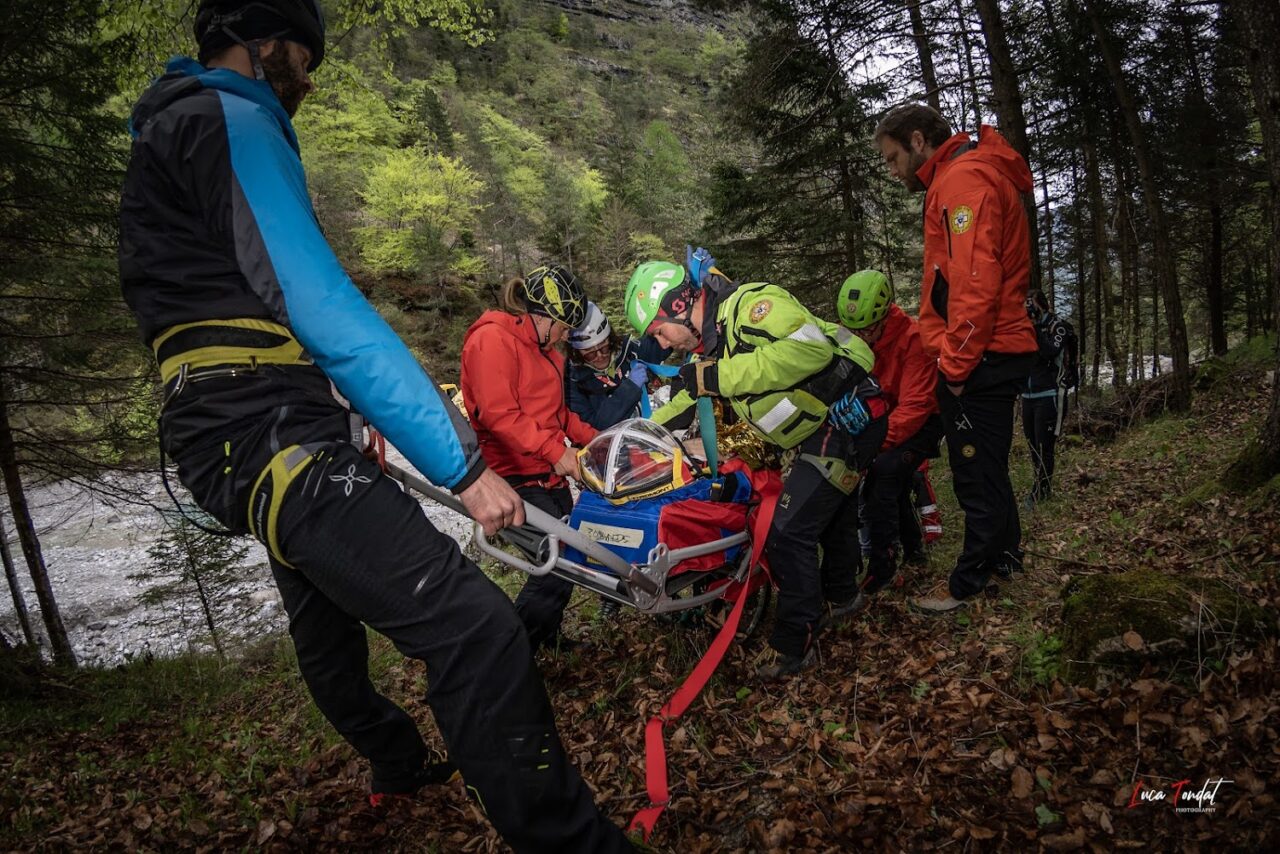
x: 576, y: 132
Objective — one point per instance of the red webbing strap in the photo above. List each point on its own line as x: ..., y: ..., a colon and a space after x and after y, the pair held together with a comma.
x: 655, y: 751
x: 378, y: 446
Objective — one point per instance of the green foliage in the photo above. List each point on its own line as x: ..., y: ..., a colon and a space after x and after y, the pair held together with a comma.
x: 189, y: 566
x: 1043, y: 658
x: 659, y: 181
x: 67, y: 347
x: 575, y: 195
x: 520, y: 157
x: 420, y: 206
x: 465, y: 19
x: 816, y: 206
x: 426, y: 120
x: 344, y: 131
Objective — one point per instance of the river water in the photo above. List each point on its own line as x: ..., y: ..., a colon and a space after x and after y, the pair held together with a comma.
x: 92, y: 544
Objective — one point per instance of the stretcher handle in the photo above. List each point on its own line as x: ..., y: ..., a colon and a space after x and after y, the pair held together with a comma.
x: 553, y: 554
x: 541, y: 520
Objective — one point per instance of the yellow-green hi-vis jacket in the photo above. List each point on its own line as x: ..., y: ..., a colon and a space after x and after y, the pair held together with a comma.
x: 779, y: 366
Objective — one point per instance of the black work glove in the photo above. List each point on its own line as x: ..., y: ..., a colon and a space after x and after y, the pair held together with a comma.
x: 700, y: 378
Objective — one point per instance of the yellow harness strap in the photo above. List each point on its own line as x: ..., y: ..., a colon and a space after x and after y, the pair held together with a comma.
x: 273, y: 344
x: 264, y: 507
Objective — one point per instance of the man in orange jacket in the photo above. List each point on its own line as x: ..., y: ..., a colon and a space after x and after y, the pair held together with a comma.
x: 907, y: 377
x: 973, y: 320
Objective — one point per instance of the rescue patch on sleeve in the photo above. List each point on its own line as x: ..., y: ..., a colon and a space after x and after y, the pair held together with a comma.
x: 961, y: 219
x: 761, y: 310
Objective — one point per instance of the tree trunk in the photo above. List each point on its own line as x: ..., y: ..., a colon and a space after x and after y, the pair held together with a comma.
x: 1157, y: 368
x: 1260, y: 22
x: 61, y: 645
x: 205, y: 605
x: 1104, y: 305
x: 1009, y: 112
x: 1210, y: 125
x: 1129, y: 271
x: 11, y: 575
x: 1082, y: 325
x: 1214, y: 295
x: 966, y: 51
x: 1250, y: 309
x: 850, y: 195
x: 1048, y: 285
x: 924, y: 50
x: 1162, y: 254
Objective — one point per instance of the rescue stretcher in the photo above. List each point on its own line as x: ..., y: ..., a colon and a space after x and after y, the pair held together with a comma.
x: 640, y: 463
x: 665, y: 579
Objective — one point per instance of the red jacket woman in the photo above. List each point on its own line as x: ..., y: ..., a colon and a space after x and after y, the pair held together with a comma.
x: 513, y: 385
x: 514, y: 392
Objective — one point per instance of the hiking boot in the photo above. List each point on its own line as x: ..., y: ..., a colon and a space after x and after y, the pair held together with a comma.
x: 837, y: 613
x: 384, y: 792
x: 779, y: 666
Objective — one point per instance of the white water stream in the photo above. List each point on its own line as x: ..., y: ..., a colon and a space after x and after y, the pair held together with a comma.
x: 91, y: 545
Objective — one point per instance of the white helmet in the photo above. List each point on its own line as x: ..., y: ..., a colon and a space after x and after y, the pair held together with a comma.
x: 592, y: 331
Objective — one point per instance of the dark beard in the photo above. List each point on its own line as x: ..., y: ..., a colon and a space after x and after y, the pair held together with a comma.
x: 289, y: 85
x: 913, y: 182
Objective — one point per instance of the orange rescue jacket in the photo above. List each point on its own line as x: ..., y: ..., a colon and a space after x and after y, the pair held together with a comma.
x: 514, y: 391
x: 907, y: 376
x: 977, y: 254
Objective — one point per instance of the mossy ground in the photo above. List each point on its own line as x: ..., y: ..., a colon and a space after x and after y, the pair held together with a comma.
x: 1171, y: 618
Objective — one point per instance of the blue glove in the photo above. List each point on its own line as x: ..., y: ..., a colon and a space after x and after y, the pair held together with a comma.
x: 638, y: 373
x: 699, y: 262
x: 849, y: 414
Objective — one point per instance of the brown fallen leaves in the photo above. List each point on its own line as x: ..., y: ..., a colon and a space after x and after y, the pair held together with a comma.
x: 913, y: 733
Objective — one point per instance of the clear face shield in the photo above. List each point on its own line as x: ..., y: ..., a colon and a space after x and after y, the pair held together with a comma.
x: 635, y: 459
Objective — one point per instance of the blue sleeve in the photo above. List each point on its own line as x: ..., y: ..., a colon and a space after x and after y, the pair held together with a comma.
x: 603, y: 410
x: 289, y: 265
x: 649, y: 350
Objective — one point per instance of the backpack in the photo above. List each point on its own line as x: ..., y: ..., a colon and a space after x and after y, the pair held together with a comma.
x: 1068, y: 360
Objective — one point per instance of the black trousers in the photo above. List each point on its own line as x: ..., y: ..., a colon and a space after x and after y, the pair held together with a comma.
x: 364, y: 553
x: 979, y: 433
x: 888, y: 508
x: 543, y: 598
x: 1039, y: 425
x: 813, y: 512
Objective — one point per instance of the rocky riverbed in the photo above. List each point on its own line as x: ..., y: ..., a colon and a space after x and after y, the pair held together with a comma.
x: 92, y: 544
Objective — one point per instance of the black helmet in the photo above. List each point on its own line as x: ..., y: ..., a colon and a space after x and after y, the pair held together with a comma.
x: 222, y: 23
x: 554, y: 292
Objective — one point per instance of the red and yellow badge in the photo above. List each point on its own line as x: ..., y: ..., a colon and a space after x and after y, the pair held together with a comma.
x: 761, y: 310
x: 961, y: 219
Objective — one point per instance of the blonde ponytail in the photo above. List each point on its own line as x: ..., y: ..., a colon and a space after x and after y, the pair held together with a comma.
x: 512, y: 297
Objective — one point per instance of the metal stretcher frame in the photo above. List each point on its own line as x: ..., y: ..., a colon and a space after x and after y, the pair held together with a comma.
x: 641, y: 586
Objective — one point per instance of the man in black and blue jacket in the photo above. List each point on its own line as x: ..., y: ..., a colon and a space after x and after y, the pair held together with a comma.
x: 254, y: 324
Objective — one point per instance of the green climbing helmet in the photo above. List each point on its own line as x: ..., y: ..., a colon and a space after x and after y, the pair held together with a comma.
x: 651, y: 285
x: 864, y: 299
